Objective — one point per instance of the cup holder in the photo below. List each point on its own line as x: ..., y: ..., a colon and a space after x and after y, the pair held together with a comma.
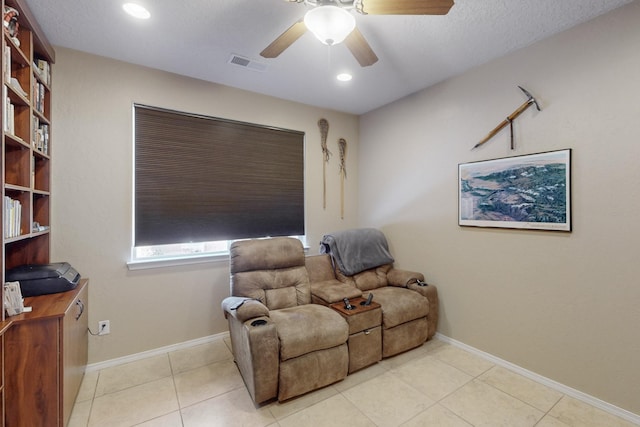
x: 259, y: 322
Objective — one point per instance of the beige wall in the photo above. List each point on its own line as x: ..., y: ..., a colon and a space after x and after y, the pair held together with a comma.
x: 92, y: 195
x: 566, y: 306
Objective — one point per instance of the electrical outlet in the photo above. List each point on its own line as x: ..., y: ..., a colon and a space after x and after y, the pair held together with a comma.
x: 104, y: 327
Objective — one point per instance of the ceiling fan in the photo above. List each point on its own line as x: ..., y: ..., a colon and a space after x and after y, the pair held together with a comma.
x: 331, y: 22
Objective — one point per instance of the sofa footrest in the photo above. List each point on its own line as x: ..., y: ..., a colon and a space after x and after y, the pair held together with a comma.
x: 320, y: 369
x: 404, y: 337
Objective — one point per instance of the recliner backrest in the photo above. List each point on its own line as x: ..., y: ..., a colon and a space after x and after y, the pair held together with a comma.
x: 270, y: 270
x: 366, y: 280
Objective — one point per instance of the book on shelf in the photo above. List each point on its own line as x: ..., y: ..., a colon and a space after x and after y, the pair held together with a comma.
x: 37, y: 228
x: 43, y: 70
x: 5, y: 112
x: 38, y: 96
x: 15, y: 84
x: 45, y: 141
x: 40, y: 140
x: 8, y: 113
x: 6, y: 63
x: 12, y: 217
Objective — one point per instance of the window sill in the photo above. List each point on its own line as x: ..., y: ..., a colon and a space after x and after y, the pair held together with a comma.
x: 176, y: 261
x: 147, y: 264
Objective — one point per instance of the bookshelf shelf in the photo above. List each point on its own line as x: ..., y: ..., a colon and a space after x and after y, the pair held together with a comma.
x: 15, y: 141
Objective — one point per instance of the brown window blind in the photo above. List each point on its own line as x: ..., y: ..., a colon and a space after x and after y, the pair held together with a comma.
x: 200, y: 178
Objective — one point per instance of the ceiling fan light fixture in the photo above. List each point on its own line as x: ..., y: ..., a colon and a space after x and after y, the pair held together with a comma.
x: 330, y: 24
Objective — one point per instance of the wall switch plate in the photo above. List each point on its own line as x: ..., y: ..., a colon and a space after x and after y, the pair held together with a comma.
x: 104, y: 327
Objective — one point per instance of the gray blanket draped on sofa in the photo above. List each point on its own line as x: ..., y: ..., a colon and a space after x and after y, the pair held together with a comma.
x: 357, y: 250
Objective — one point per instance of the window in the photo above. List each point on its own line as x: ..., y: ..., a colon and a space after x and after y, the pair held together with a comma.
x: 201, y: 181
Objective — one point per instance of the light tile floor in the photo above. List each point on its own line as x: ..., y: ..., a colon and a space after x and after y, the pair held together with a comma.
x: 434, y: 385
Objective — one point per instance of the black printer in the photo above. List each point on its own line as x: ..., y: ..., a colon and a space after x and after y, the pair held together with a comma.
x: 41, y: 279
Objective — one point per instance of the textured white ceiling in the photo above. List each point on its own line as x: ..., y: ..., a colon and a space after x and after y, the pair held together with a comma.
x: 196, y: 38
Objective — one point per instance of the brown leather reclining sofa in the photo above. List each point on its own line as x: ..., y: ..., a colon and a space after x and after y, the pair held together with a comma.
x: 287, y: 338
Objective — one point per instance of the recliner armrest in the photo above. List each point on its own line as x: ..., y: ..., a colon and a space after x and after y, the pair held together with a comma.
x: 256, y: 351
x: 244, y: 309
x: 330, y: 291
x: 402, y: 278
x: 431, y: 293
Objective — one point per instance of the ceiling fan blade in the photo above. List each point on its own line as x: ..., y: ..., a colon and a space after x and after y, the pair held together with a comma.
x: 285, y: 40
x: 360, y: 48
x: 404, y: 7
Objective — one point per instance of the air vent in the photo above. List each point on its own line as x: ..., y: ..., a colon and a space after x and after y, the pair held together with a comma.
x: 241, y: 61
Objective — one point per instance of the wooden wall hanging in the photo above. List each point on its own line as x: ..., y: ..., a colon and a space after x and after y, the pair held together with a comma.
x: 342, y: 145
x: 323, y: 125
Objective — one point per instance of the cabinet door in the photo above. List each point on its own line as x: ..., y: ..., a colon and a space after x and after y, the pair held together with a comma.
x: 32, y: 388
x: 2, y: 377
x: 75, y: 341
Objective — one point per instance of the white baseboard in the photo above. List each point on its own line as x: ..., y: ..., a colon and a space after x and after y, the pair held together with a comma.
x: 576, y: 394
x: 155, y: 352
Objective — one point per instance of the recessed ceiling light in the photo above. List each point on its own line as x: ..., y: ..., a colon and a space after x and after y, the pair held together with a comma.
x: 136, y: 10
x: 344, y: 77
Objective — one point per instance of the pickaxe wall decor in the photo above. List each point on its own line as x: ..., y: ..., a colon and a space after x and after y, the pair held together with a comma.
x: 509, y: 120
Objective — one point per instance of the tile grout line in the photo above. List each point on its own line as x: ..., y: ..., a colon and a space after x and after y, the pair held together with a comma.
x: 175, y: 389
x: 93, y: 398
x: 548, y: 413
x: 355, y: 406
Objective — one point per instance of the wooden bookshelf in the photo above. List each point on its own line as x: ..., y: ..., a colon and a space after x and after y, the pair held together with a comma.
x: 25, y: 65
x: 26, y: 140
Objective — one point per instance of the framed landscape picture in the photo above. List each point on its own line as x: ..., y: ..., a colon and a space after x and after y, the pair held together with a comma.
x: 526, y: 192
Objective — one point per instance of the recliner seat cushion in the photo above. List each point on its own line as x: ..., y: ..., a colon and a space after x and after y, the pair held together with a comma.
x: 400, y: 305
x: 308, y: 328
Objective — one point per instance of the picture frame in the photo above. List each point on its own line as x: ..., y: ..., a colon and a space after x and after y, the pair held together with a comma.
x: 531, y: 192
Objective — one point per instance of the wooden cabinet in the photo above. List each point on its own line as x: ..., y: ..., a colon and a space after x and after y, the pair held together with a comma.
x: 3, y: 328
x: 45, y: 358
